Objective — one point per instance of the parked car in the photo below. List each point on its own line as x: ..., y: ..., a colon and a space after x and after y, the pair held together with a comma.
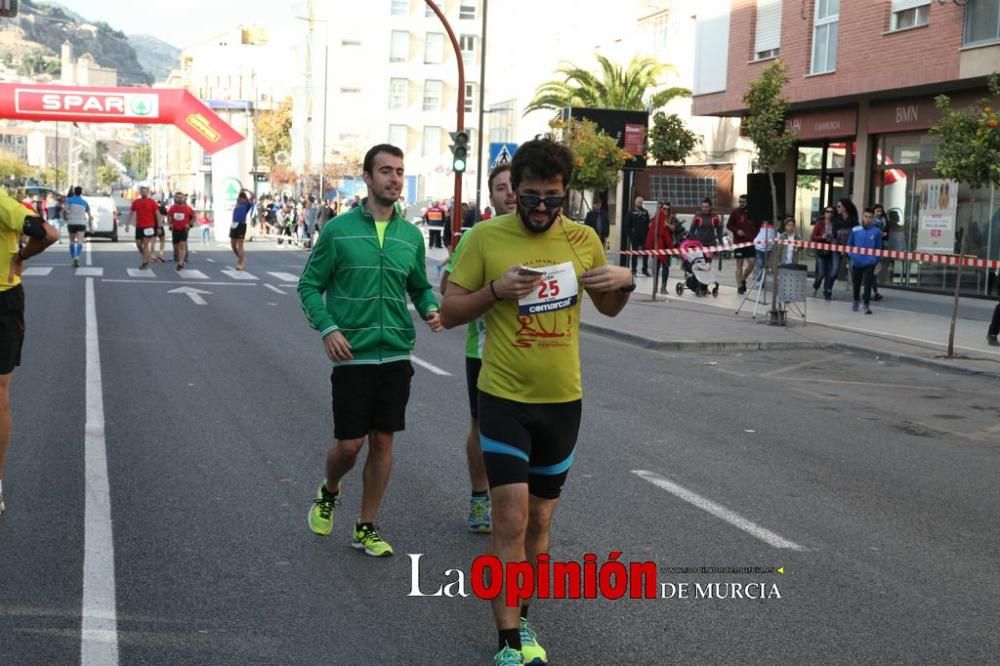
x: 105, y: 214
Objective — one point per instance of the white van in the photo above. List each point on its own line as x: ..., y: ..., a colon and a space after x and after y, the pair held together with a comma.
x: 105, y: 218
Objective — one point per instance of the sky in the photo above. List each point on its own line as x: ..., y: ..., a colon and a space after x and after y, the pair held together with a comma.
x: 182, y: 22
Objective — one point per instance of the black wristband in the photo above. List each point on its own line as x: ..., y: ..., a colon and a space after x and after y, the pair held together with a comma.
x: 21, y: 256
x: 494, y: 291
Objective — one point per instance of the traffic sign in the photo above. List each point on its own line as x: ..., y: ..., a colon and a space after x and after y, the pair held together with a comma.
x: 501, y: 153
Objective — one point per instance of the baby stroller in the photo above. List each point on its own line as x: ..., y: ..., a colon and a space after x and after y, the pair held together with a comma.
x: 697, y: 266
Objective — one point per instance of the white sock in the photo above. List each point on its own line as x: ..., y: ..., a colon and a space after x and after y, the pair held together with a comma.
x: 1, y: 486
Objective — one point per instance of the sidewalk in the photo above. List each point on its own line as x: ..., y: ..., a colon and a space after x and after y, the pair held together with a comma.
x: 905, y: 326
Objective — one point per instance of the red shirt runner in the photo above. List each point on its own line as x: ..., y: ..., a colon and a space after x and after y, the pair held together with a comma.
x: 145, y: 212
x: 180, y: 216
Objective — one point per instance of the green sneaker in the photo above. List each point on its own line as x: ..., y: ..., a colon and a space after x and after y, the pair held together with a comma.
x: 368, y: 538
x: 321, y: 513
x: 533, y: 652
x: 479, y: 515
x: 508, y: 657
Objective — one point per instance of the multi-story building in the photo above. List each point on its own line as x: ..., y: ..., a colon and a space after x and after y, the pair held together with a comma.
x: 395, y: 81
x: 863, y: 78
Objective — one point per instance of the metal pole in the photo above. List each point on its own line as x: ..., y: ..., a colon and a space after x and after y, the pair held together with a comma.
x: 482, y: 99
x: 253, y: 75
x: 456, y: 212
x: 326, y: 73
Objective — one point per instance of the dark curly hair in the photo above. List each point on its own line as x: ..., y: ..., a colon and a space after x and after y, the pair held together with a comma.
x: 543, y: 159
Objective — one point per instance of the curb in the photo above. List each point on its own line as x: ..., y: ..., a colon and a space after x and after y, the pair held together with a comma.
x: 695, y: 346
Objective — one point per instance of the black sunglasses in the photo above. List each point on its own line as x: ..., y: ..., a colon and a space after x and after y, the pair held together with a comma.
x: 828, y: 210
x: 531, y: 201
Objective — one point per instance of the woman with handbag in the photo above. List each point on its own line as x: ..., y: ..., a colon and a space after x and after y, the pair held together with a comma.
x: 823, y: 233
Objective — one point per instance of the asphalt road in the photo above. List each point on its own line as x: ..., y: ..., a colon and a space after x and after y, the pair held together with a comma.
x: 877, y: 482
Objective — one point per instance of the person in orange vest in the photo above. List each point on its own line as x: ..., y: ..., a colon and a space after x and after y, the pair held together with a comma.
x: 435, y: 218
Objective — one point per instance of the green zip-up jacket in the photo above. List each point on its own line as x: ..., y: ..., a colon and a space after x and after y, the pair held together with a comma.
x: 365, y: 286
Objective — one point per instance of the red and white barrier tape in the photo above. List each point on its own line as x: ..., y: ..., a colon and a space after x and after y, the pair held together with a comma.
x: 924, y: 257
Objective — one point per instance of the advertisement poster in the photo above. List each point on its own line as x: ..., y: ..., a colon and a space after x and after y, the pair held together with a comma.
x: 936, y: 221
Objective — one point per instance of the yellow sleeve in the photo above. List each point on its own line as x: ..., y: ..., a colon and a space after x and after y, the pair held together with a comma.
x: 12, y: 213
x: 469, y: 269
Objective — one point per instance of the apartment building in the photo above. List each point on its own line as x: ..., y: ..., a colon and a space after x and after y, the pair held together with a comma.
x: 863, y: 78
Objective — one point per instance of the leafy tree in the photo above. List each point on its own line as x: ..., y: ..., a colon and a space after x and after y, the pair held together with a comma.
x: 670, y: 140
x: 13, y: 167
x: 765, y: 122
x: 138, y: 160
x: 343, y: 165
x: 625, y: 89
x: 108, y: 175
x: 970, y: 140
x: 597, y: 155
x: 274, y: 132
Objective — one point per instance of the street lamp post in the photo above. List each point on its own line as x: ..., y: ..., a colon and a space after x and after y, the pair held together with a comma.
x: 482, y: 99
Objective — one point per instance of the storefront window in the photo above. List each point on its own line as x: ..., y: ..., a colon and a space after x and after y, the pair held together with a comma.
x: 823, y: 176
x: 926, y: 214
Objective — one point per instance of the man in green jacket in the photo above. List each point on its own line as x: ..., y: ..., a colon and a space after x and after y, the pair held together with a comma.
x: 365, y: 263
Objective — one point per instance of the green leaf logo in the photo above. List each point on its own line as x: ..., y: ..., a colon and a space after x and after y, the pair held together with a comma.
x: 141, y: 106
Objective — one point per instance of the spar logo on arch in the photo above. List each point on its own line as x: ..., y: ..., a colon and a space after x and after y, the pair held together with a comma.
x: 85, y: 103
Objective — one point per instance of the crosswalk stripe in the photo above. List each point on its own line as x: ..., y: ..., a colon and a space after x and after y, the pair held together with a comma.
x: 240, y: 275
x: 31, y: 271
x: 90, y: 271
x: 141, y: 273
x: 284, y: 277
x: 192, y: 274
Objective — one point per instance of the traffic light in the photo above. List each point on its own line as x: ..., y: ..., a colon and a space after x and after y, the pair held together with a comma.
x: 459, y: 150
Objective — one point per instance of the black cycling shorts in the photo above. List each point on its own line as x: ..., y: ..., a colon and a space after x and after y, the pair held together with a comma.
x: 11, y: 328
x: 472, y: 368
x: 76, y: 228
x: 745, y: 252
x: 370, y: 397
x: 140, y: 233
x: 238, y: 231
x: 178, y: 235
x: 528, y: 443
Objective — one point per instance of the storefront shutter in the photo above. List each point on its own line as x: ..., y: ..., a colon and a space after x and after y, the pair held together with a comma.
x: 768, y: 35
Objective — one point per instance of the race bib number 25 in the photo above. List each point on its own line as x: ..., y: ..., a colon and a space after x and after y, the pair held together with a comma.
x: 557, y: 291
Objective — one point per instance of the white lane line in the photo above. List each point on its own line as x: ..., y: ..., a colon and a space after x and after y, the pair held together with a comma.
x: 210, y: 260
x: 192, y: 274
x: 719, y: 511
x: 217, y: 284
x: 275, y: 289
x: 90, y: 271
x: 284, y: 277
x: 86, y: 254
x: 430, y: 366
x: 33, y: 271
x: 99, y: 626
x: 240, y: 275
x: 141, y: 272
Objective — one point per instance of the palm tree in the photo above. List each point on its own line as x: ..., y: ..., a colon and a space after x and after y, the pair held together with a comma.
x: 615, y: 88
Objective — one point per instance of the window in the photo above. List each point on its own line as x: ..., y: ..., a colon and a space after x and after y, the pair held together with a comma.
x: 433, y: 90
x: 399, y: 48
x: 399, y: 7
x: 467, y: 10
x: 767, y: 40
x: 910, y: 13
x: 434, y: 48
x: 682, y: 191
x: 431, y: 146
x: 654, y: 30
x: 982, y: 21
x: 470, y: 97
x: 398, y: 92
x: 430, y: 12
x: 824, y: 55
x: 399, y: 135
x: 468, y: 45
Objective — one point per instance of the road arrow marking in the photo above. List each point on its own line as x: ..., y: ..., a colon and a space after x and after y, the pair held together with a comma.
x: 192, y: 293
x: 192, y: 274
x: 30, y: 271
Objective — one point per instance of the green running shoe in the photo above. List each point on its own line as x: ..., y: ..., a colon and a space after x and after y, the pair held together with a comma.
x: 508, y: 657
x: 321, y: 513
x: 368, y: 538
x: 532, y: 652
x: 479, y: 515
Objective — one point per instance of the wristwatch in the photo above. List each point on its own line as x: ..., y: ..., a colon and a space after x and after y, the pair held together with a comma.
x: 629, y: 289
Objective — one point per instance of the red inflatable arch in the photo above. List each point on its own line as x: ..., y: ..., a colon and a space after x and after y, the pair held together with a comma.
x: 155, y: 106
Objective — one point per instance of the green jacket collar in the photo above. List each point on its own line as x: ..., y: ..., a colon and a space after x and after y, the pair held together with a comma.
x: 368, y: 216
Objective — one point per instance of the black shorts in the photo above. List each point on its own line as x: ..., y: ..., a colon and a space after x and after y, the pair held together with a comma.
x: 76, y: 228
x: 370, y: 397
x: 472, y: 368
x: 239, y: 231
x: 745, y: 252
x: 178, y: 235
x: 528, y: 443
x: 11, y: 328
x: 140, y: 233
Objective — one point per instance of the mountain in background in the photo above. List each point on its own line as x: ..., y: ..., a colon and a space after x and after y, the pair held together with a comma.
x: 155, y: 55
x: 32, y: 43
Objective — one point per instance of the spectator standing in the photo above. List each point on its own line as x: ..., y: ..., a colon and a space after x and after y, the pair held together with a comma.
x: 660, y: 237
x: 637, y: 225
x: 865, y: 235
x: 706, y: 225
x: 743, y: 231
x: 880, y: 222
x: 434, y: 218
x: 825, y: 274
x: 845, y: 218
x: 597, y: 219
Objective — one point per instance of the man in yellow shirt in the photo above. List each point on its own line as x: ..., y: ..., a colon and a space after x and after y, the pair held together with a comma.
x: 15, y: 220
x: 523, y: 273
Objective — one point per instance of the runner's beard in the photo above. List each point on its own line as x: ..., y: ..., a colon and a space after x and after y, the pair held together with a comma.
x: 525, y: 215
